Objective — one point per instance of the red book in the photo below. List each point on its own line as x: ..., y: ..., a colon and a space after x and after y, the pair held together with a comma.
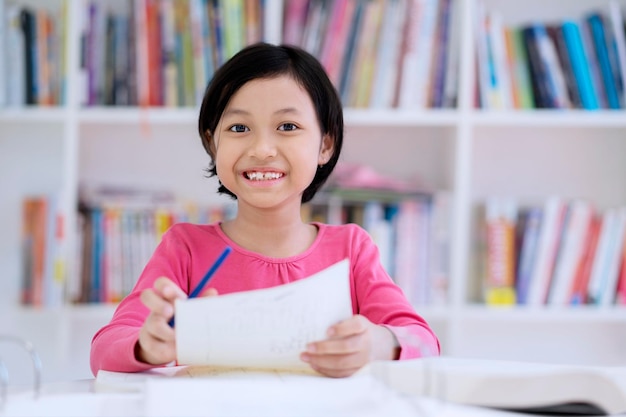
x: 620, y: 296
x: 578, y: 293
x: 155, y: 91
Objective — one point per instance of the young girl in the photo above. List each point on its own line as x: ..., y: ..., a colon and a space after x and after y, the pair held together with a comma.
x: 272, y: 123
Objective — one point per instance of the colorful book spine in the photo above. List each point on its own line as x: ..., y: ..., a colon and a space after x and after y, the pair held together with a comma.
x: 599, y: 36
x: 580, y: 65
x: 499, y: 282
x: 527, y: 253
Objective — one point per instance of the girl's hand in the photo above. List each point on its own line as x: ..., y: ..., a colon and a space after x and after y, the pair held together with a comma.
x: 350, y: 345
x: 157, y: 344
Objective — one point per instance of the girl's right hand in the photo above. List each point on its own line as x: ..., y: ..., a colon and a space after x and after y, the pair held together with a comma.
x: 157, y: 344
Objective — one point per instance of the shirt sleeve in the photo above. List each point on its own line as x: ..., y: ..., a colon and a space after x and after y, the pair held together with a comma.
x: 113, y: 346
x: 383, y: 302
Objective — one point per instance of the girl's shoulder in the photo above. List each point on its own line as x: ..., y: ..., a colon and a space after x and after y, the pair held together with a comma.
x: 186, y: 231
x: 348, y: 231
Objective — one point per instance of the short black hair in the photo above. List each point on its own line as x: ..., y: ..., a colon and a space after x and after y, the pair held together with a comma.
x: 263, y: 60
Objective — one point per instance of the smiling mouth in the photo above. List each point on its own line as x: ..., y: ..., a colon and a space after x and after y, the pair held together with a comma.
x: 262, y: 176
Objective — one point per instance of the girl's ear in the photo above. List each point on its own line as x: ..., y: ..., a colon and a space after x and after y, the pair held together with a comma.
x: 326, y: 150
x: 211, y: 142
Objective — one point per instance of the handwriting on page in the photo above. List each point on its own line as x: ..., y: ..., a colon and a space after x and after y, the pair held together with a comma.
x: 266, y: 328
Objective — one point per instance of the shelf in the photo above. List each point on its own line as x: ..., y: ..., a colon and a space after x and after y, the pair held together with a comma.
x: 33, y: 115
x: 401, y: 117
x: 544, y: 314
x: 606, y: 119
x: 134, y: 115
x: 83, y: 312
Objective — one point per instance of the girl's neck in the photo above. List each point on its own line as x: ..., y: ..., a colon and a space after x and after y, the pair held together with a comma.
x: 270, y: 235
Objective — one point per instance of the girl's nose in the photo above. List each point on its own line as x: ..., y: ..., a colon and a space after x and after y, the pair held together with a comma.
x: 263, y: 146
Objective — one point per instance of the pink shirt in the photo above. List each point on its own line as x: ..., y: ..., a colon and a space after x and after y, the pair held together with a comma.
x: 187, y: 251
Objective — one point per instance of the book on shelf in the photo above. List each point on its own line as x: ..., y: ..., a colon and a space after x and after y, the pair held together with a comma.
x: 163, y: 53
x: 558, y: 38
x: 603, y: 47
x: 577, y: 62
x: 618, y: 27
x: 579, y: 57
x: 529, y: 227
x: 119, y: 229
x: 411, y: 225
x: 620, y: 297
x: 567, y: 252
x: 42, y: 252
x: 168, y: 50
x: 499, y: 280
x: 547, y: 250
x: 578, y: 292
x: 374, y: 34
x: 570, y: 254
x: 606, y: 264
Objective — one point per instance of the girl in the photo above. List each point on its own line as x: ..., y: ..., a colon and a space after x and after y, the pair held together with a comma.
x: 272, y: 124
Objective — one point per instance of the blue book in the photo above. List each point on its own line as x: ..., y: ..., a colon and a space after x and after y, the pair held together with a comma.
x: 97, y: 252
x: 599, y: 36
x: 580, y: 65
x: 528, y: 251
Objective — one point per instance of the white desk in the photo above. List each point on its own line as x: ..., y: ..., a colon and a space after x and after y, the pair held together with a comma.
x: 78, y: 398
x: 193, y: 391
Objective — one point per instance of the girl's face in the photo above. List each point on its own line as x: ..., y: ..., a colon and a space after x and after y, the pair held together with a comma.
x: 268, y: 143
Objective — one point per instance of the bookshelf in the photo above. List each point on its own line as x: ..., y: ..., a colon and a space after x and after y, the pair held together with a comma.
x: 475, y: 153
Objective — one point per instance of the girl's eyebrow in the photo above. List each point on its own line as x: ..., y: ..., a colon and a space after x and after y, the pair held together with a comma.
x: 287, y: 110
x: 235, y: 111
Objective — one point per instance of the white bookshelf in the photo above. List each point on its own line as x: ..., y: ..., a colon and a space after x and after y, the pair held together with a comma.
x: 528, y: 155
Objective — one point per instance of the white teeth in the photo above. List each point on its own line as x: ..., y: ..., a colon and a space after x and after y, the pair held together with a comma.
x: 260, y: 176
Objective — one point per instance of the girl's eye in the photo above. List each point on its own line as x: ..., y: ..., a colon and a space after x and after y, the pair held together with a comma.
x: 288, y: 127
x: 238, y: 128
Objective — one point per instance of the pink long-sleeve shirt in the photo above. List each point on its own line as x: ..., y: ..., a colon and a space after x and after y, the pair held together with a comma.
x: 187, y: 251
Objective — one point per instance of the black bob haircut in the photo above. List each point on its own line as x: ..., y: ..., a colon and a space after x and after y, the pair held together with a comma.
x: 263, y: 60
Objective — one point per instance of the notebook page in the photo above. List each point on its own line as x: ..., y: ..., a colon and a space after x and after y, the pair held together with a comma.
x: 266, y: 328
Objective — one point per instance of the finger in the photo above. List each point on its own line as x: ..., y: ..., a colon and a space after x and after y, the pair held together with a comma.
x: 158, y: 328
x: 156, y: 303
x: 352, y: 326
x: 168, y: 289
x: 345, y: 345
x: 336, y: 373
x: 335, y: 365
x: 155, y: 351
x: 209, y: 292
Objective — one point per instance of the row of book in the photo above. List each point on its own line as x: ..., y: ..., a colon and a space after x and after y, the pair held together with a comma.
x: 32, y: 55
x: 116, y: 236
x: 574, y: 63
x: 565, y: 252
x: 162, y: 52
x: 378, y: 53
x: 393, y: 53
x: 411, y: 229
x: 133, y: 52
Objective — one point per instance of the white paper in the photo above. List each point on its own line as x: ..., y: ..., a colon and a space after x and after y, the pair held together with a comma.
x: 266, y: 328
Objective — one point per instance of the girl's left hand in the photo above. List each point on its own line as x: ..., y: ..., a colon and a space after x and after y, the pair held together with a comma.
x: 350, y: 345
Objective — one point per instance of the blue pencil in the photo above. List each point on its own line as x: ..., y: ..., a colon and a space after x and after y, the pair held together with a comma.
x: 196, y: 291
